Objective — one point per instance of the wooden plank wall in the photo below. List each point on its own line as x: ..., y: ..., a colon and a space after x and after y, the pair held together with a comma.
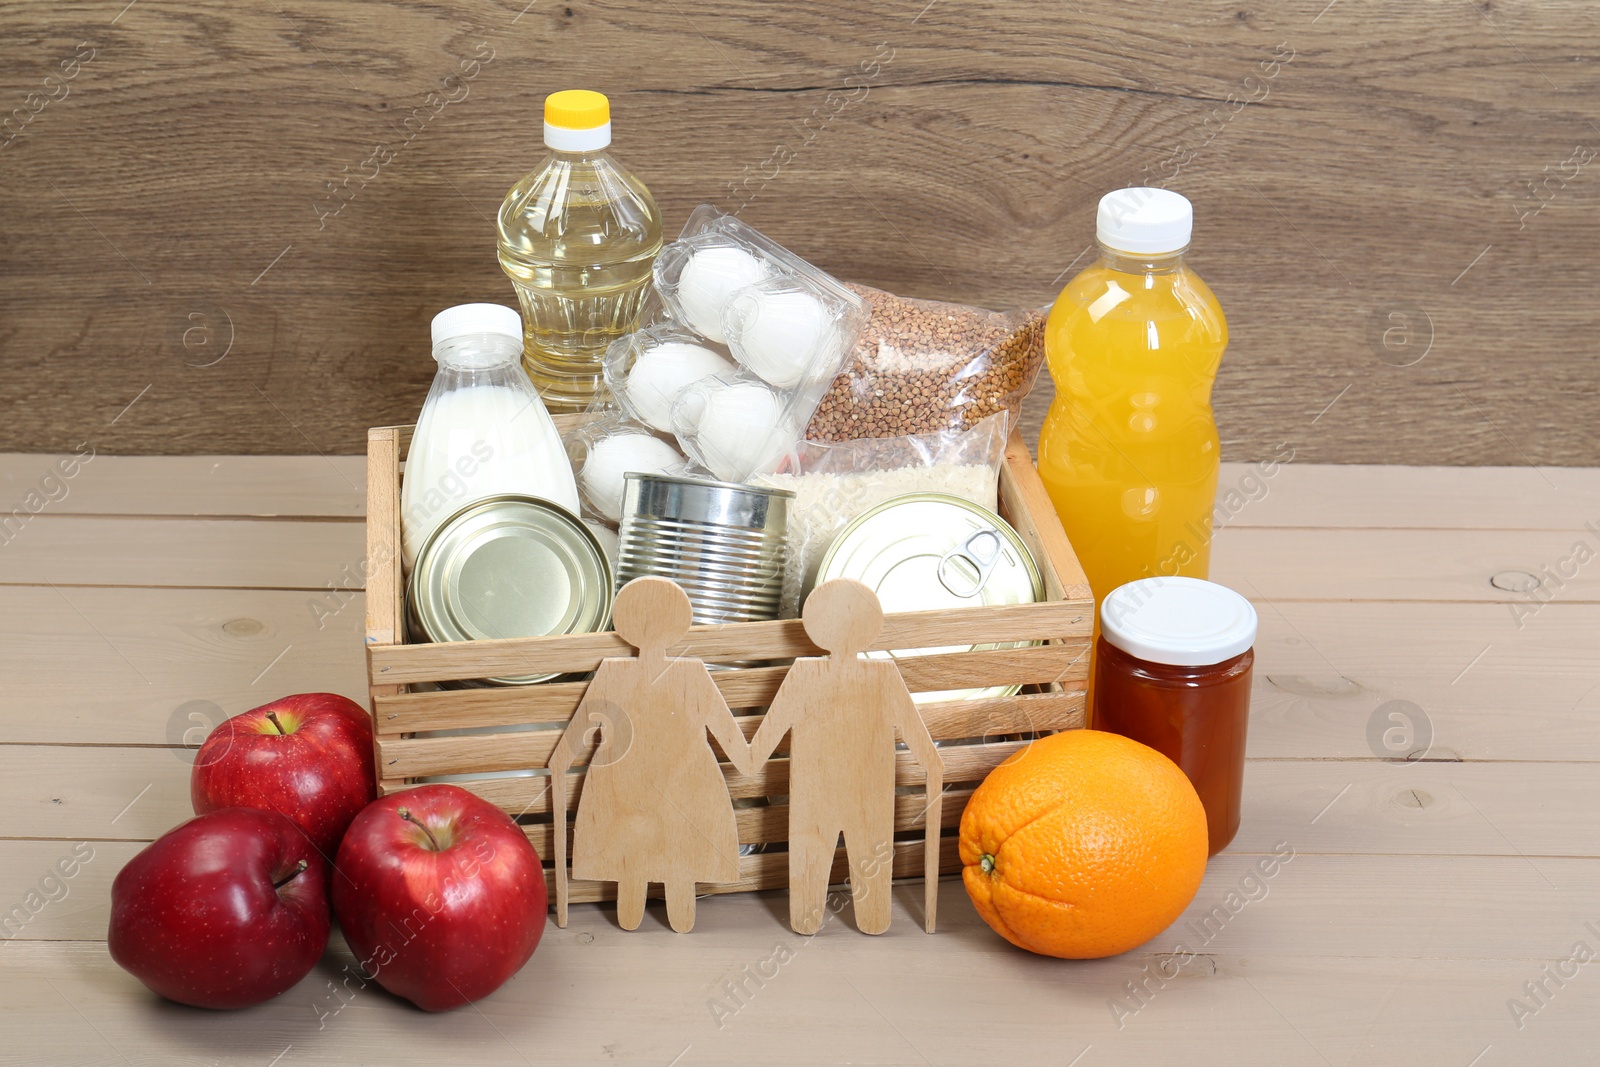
x: 1396, y: 201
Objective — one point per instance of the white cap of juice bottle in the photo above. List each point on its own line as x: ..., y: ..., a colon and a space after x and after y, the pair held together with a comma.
x: 577, y: 120
x: 1144, y: 221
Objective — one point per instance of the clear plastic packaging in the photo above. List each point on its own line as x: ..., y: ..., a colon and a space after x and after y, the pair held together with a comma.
x: 780, y: 328
x: 603, y: 452
x: 834, y: 483
x: 735, y: 425
x: 706, y: 274
x: 647, y: 369
x: 788, y: 333
x: 925, y: 366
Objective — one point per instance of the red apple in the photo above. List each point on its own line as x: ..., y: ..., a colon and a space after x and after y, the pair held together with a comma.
x: 227, y: 910
x: 307, y: 756
x: 440, y: 895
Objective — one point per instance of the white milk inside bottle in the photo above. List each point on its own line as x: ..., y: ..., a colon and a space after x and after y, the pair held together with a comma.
x: 483, y: 430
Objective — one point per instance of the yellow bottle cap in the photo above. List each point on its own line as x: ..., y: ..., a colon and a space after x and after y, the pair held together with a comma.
x: 577, y: 109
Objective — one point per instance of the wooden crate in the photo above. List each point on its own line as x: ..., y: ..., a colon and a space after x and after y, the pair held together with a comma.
x: 984, y: 731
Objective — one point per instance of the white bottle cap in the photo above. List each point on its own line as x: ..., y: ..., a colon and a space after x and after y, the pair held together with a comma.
x: 1182, y: 622
x: 562, y: 139
x: 476, y: 318
x: 1144, y: 221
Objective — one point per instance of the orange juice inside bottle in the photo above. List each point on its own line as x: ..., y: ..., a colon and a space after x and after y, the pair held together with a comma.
x: 1129, y: 450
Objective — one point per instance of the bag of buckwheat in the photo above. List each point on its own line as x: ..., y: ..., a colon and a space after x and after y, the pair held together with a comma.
x: 924, y: 366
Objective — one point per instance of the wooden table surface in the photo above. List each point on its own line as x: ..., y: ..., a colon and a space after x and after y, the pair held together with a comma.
x: 1439, y: 911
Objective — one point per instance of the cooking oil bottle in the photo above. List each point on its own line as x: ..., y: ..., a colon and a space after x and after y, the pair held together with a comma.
x: 578, y: 237
x: 1129, y: 450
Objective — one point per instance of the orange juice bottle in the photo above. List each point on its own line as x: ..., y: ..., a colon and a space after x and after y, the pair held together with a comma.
x: 1129, y: 450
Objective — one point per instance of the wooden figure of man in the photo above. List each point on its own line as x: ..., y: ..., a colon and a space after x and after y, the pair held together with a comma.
x: 842, y: 711
x: 654, y: 806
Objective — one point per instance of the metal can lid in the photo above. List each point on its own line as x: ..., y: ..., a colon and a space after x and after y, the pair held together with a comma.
x: 701, y: 500
x: 510, y: 566
x: 935, y: 551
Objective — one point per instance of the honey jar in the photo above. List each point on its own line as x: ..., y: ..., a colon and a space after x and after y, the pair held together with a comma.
x: 1172, y: 670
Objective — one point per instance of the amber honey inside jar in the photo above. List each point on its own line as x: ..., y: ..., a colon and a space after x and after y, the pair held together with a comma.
x: 1172, y: 670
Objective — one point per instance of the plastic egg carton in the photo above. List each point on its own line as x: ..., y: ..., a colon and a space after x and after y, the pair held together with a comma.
x: 753, y: 338
x: 648, y: 369
x: 606, y: 449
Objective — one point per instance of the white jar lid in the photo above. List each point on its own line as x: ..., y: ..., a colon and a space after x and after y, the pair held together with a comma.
x: 476, y: 318
x: 1144, y: 221
x: 1182, y: 622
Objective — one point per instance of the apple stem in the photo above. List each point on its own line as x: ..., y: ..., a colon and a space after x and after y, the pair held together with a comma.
x: 299, y: 867
x: 272, y: 717
x: 405, y: 813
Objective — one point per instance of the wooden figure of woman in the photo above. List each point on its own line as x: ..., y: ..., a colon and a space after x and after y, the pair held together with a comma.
x: 654, y: 806
x: 842, y: 711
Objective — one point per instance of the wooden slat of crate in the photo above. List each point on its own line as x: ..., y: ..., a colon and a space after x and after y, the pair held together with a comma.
x: 468, y: 709
x: 530, y: 795
x: 385, y: 589
x: 1025, y: 504
x: 415, y: 757
x: 1066, y: 664
x: 784, y: 639
x: 770, y: 823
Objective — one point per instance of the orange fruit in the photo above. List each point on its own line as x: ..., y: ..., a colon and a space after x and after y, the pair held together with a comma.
x: 1084, y: 844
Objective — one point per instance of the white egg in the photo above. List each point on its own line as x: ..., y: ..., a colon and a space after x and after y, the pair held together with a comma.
x: 708, y: 279
x: 741, y: 431
x: 607, y: 538
x: 662, y: 372
x: 782, y: 336
x: 612, y: 457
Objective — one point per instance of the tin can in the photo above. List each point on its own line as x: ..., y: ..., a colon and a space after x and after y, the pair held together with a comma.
x: 509, y: 566
x: 724, y: 544
x: 934, y: 551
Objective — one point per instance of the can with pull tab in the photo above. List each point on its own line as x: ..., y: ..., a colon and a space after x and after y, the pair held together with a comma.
x: 934, y: 551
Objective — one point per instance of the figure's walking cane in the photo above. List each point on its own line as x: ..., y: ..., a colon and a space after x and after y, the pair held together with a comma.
x: 930, y: 848
x: 558, y: 819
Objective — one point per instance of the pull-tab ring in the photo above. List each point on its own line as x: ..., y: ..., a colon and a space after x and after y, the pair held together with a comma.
x: 980, y: 552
